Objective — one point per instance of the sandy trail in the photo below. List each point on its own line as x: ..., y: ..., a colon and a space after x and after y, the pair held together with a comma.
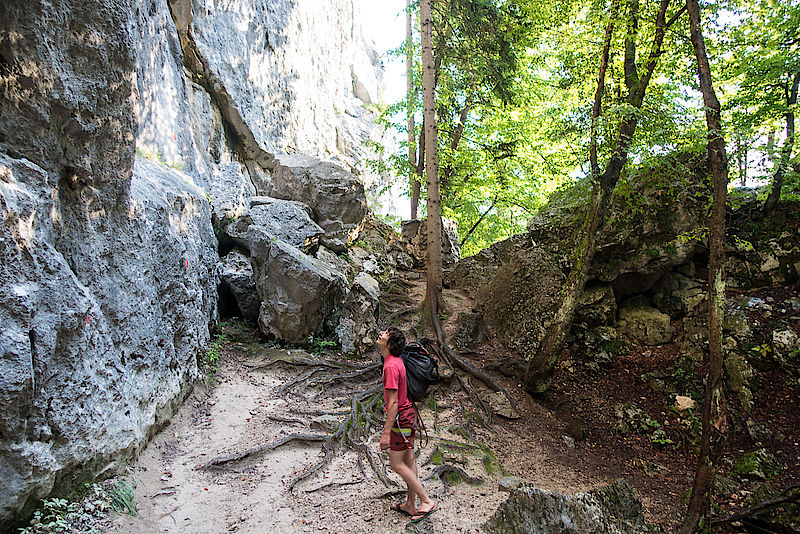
x: 173, y: 495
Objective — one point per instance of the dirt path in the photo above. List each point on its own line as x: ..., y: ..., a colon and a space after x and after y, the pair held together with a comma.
x: 175, y: 496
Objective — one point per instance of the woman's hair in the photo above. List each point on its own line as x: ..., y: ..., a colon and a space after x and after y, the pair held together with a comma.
x: 396, y: 341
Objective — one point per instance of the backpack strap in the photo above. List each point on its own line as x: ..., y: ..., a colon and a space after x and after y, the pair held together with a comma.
x: 422, y: 430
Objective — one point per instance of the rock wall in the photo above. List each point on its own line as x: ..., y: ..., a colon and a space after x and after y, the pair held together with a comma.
x: 126, y: 128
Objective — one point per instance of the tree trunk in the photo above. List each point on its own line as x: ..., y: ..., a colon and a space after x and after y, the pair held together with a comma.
x: 539, y: 372
x: 598, y: 95
x: 786, y: 153
x: 412, y: 147
x: 433, y: 287
x: 713, y: 406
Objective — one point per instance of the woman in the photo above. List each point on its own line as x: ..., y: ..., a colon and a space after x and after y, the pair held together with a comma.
x: 398, y: 431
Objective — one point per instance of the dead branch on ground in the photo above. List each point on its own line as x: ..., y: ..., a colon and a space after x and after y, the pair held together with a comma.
x: 789, y: 495
x: 220, y: 460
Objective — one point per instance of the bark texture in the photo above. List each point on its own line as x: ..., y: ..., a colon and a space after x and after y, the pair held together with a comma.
x: 700, y: 501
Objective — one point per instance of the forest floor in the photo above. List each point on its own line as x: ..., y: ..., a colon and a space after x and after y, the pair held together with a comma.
x: 244, y: 408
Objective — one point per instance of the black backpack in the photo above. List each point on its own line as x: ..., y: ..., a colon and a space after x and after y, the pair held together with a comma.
x: 422, y: 371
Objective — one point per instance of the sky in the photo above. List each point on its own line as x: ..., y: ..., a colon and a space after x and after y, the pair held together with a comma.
x: 385, y: 24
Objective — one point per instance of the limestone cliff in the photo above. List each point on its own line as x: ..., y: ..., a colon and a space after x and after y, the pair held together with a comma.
x: 125, y: 127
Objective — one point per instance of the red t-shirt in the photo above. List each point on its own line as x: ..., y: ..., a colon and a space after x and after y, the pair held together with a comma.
x: 394, y: 377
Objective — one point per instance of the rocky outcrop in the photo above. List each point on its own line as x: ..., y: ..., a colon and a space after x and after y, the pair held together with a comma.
x: 237, y: 286
x: 298, y: 292
x: 415, y: 239
x: 517, y: 301
x: 650, y: 232
x: 270, y: 218
x: 645, y: 324
x: 108, y: 281
x: 529, y: 510
x: 335, y: 196
x: 358, y: 323
x: 105, y: 312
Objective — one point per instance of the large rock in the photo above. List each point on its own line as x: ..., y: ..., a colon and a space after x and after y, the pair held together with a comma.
x: 677, y: 295
x: 270, y: 218
x: 654, y: 215
x: 613, y: 509
x: 597, y: 306
x: 358, y: 323
x: 415, y: 239
x: 258, y: 52
x: 105, y: 311
x: 646, y: 324
x: 298, y: 293
x: 335, y: 196
x: 237, y: 284
x: 518, y: 301
x: 473, y: 272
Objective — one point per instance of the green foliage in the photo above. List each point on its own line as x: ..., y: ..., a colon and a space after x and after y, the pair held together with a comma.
x: 122, y: 498
x: 210, y: 363
x: 155, y: 157
x: 516, y: 82
x: 322, y: 345
x: 63, y: 516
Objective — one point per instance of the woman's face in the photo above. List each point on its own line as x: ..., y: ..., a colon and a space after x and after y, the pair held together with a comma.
x: 383, y: 339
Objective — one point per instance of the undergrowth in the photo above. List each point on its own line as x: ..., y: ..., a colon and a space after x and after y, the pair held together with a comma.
x: 85, y: 516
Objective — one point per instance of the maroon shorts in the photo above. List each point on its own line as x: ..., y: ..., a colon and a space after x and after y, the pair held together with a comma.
x: 399, y: 443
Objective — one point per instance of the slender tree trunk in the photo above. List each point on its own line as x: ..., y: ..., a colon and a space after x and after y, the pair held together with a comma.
x: 598, y: 95
x: 412, y: 147
x: 539, y: 372
x: 713, y: 405
x: 433, y: 287
x: 786, y: 152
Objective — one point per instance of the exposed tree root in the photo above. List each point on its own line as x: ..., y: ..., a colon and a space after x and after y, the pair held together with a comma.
x: 312, y: 470
x: 300, y: 379
x: 281, y: 419
x: 334, y: 485
x: 288, y: 360
x: 220, y: 460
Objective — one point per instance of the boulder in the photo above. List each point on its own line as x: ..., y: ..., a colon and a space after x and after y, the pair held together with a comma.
x: 337, y: 262
x: 358, y: 324
x: 652, y: 211
x: 473, y: 272
x: 500, y: 405
x: 597, y: 306
x: 271, y: 218
x: 415, y: 239
x: 335, y: 196
x: 516, y: 309
x: 105, y: 308
x: 529, y: 510
x: 236, y: 278
x: 230, y: 191
x: 298, y: 292
x: 677, y: 295
x: 646, y: 324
